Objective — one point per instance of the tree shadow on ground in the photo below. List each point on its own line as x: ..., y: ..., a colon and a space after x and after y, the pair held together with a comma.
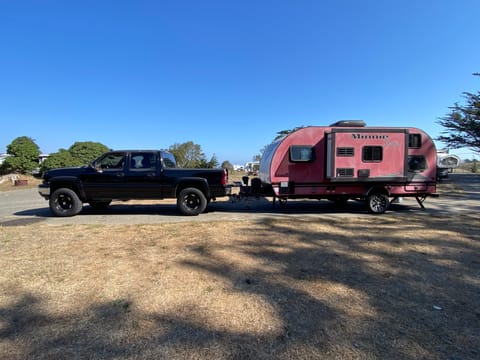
x: 354, y: 293
x: 418, y: 304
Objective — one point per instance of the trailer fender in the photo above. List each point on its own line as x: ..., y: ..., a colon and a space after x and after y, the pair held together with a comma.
x: 377, y: 190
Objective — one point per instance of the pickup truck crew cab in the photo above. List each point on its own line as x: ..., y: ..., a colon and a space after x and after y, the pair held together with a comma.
x: 132, y: 174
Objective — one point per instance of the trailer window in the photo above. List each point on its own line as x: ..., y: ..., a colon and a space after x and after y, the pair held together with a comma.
x: 301, y: 153
x: 416, y: 163
x: 372, y: 154
x: 415, y: 141
x: 345, y: 151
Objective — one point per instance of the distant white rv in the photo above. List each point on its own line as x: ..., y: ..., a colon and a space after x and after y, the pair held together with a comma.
x: 252, y: 167
x: 446, y: 163
x: 3, y: 157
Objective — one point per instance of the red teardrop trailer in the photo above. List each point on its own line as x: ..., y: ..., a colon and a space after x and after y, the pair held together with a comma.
x: 348, y: 160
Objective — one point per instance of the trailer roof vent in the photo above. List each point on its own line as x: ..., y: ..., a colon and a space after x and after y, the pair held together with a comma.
x: 349, y: 123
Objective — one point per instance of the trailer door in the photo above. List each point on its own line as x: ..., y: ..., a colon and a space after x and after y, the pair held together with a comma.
x: 367, y: 155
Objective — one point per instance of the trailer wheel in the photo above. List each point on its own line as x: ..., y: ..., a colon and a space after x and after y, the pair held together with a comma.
x: 378, y: 203
x: 65, y: 202
x: 191, y: 202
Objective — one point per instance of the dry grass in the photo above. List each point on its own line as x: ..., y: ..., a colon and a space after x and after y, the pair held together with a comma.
x: 345, y: 288
x: 8, y: 185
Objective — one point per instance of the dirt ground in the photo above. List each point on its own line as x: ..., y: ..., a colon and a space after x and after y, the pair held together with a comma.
x: 8, y: 183
x: 356, y: 287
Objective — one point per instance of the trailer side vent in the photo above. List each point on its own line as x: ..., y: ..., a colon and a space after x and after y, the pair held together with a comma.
x: 363, y: 173
x: 345, y: 151
x: 345, y: 172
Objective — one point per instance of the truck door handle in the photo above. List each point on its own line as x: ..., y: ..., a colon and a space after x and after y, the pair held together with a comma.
x: 120, y: 174
x: 151, y: 175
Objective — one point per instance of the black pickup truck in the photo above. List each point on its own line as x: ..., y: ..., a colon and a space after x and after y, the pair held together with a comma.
x: 132, y: 174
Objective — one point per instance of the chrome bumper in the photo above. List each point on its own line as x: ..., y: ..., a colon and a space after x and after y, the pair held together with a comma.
x: 44, y: 191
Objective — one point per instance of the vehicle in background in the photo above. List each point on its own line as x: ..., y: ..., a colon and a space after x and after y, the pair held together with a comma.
x: 446, y: 163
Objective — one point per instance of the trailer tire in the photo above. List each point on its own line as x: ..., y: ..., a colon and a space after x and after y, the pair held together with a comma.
x: 64, y: 202
x: 191, y: 202
x: 378, y: 203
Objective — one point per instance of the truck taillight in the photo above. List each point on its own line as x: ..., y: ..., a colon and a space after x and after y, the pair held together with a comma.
x: 225, y: 177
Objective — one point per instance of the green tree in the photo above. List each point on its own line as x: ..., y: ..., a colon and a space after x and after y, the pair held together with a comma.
x: 213, y: 162
x: 86, y: 151
x: 188, y: 154
x: 282, y: 133
x: 258, y: 157
x: 210, y: 164
x: 462, y: 124
x: 80, y: 153
x: 24, y: 156
x: 62, y: 158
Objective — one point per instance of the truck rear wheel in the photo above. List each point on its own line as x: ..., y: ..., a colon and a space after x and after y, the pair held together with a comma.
x: 191, y: 201
x: 65, y: 202
x: 378, y: 203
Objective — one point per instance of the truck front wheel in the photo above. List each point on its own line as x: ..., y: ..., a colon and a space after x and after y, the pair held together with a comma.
x: 191, y: 201
x: 65, y: 202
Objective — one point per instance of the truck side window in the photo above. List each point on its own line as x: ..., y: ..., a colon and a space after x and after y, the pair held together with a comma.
x: 142, y: 161
x: 112, y: 161
x: 372, y: 154
x: 301, y: 153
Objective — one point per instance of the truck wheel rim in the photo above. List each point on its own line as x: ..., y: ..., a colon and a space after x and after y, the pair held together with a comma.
x: 378, y: 203
x: 192, y: 201
x: 64, y: 202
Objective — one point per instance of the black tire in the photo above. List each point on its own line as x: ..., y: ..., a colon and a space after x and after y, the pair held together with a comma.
x: 191, y: 202
x: 378, y: 203
x: 100, y: 205
x: 65, y: 202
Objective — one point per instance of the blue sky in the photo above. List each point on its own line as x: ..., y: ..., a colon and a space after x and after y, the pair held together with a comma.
x: 228, y: 75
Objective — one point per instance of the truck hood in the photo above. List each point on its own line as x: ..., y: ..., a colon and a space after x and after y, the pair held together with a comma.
x: 67, y: 171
